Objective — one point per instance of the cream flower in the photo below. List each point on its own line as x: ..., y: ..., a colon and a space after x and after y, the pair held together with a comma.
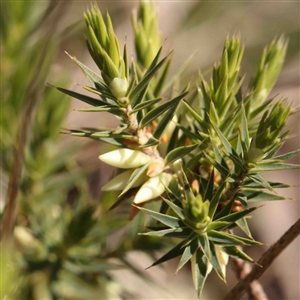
x: 152, y: 188
x: 125, y: 158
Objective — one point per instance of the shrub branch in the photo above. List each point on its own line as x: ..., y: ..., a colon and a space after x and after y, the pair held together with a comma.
x: 265, y: 261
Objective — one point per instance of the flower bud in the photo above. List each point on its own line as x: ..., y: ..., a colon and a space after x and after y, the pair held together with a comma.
x: 118, y: 87
x: 254, y: 155
x: 152, y: 188
x: 268, y: 131
x: 125, y: 158
x: 196, y: 211
x: 169, y: 129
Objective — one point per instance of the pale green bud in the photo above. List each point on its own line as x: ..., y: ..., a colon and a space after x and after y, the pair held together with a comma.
x: 152, y: 188
x: 254, y: 155
x: 104, y: 48
x: 118, y: 87
x: 125, y: 158
x: 196, y: 212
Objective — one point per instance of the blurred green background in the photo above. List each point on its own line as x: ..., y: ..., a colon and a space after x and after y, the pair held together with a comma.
x: 66, y: 246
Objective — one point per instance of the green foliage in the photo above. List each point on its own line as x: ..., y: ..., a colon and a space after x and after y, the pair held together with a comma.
x: 198, y: 151
x: 268, y: 70
x: 147, y: 37
x: 213, y: 165
x: 59, y: 245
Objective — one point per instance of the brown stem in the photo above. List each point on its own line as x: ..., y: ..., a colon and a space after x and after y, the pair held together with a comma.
x: 242, y: 268
x: 18, y: 157
x: 264, y: 262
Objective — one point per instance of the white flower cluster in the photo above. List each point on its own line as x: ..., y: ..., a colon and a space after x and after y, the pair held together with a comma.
x: 152, y: 182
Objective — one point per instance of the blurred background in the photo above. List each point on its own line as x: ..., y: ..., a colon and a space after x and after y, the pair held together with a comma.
x: 55, y: 179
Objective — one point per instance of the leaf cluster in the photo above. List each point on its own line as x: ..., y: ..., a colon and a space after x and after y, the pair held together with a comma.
x: 201, y: 150
x: 59, y: 247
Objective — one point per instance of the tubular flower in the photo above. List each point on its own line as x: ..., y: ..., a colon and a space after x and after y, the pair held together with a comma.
x: 152, y: 188
x: 125, y: 158
x: 152, y: 180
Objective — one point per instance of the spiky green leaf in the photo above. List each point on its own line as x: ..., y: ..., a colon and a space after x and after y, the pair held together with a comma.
x: 145, y: 104
x: 158, y: 111
x: 217, y: 225
x: 260, y: 180
x: 233, y: 155
x: 145, y: 80
x: 233, y: 217
x: 165, y: 219
x: 254, y: 185
x: 199, y: 265
x: 236, y: 252
x: 287, y: 156
x: 178, y: 211
x: 174, y: 252
x: 189, y: 250
x: 260, y: 195
x: 204, y: 245
x: 135, y: 176
x: 182, y: 232
x: 215, y: 200
x: 244, y: 130
x: 214, y: 260
x: 151, y: 142
x: 91, y: 76
x: 227, y: 239
x: 179, y: 153
x: 87, y: 99
x: 243, y: 225
x: 273, y: 167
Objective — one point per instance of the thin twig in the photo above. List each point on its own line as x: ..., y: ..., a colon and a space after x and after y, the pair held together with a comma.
x: 242, y: 268
x: 264, y: 262
x: 31, y: 97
